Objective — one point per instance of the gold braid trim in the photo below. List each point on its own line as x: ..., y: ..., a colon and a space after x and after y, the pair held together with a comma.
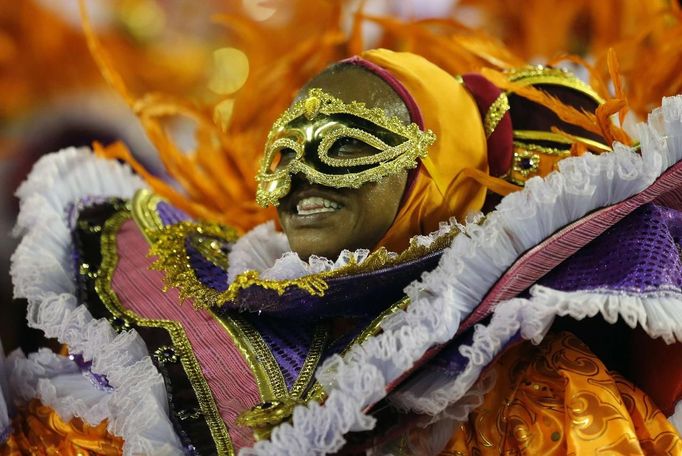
x: 169, y: 244
x: 278, y: 406
x: 538, y: 74
x: 181, y: 344
x: 317, y: 392
x: 145, y: 214
x: 534, y: 135
x: 254, y: 350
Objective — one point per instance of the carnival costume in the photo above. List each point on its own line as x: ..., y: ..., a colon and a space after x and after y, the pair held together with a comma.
x: 217, y: 343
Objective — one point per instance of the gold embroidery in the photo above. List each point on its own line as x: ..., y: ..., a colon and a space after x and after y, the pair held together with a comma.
x: 143, y: 206
x: 495, y: 113
x: 538, y: 74
x: 278, y: 403
x: 317, y: 392
x: 311, y: 362
x: 273, y: 184
x: 528, y: 158
x: 525, y: 162
x: 169, y: 245
x: 269, y: 378
x: 181, y: 344
x: 313, y: 284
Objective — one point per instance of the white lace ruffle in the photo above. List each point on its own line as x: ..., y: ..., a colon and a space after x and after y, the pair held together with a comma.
x: 266, y: 250
x: 676, y: 418
x: 659, y: 314
x: 467, y: 269
x: 42, y: 273
x: 57, y: 382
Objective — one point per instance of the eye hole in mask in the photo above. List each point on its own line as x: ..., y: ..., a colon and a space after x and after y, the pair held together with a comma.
x: 336, y: 144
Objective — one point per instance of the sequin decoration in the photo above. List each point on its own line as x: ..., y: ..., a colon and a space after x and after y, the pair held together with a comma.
x: 495, y: 114
x: 274, y: 181
x: 558, y: 398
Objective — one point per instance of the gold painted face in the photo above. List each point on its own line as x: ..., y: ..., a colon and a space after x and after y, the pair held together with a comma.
x: 337, y: 145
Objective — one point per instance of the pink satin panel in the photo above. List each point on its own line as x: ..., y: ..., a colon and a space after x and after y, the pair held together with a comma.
x: 140, y: 290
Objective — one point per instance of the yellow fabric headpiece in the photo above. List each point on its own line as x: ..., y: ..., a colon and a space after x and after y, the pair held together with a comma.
x: 440, y: 189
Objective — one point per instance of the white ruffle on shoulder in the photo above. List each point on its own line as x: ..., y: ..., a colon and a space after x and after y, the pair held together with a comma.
x: 467, y: 269
x: 42, y: 273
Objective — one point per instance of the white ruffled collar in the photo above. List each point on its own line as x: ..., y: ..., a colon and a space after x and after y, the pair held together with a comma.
x: 267, y: 251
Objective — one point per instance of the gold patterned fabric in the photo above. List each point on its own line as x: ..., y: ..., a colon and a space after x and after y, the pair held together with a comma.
x: 559, y: 399
x: 38, y: 430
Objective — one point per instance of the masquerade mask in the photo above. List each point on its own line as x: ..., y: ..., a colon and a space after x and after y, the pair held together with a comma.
x: 337, y: 145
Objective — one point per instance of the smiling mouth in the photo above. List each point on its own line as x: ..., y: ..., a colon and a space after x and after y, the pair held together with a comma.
x: 316, y: 205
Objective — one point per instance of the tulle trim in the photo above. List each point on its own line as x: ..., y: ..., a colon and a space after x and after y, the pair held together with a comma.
x: 658, y: 313
x: 467, y: 269
x: 42, y: 274
x: 266, y: 250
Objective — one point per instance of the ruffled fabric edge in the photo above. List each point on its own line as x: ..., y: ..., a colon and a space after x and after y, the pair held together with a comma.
x: 467, y: 269
x: 42, y: 273
x: 658, y: 313
x: 266, y: 250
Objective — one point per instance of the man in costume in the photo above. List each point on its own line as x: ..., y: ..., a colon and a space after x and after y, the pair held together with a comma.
x: 377, y: 167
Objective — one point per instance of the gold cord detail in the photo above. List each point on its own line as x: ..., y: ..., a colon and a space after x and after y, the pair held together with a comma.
x: 538, y: 74
x: 181, y: 344
x: 273, y: 184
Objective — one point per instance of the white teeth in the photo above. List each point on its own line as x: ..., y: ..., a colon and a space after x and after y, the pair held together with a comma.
x: 316, y: 205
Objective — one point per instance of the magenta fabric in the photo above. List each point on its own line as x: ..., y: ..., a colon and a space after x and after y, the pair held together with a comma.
x: 500, y: 143
x: 140, y: 290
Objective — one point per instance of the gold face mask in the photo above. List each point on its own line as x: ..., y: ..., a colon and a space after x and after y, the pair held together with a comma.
x: 336, y: 144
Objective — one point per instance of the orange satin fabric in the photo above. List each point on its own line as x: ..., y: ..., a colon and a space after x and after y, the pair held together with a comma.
x: 559, y: 399
x: 38, y: 430
x: 440, y: 190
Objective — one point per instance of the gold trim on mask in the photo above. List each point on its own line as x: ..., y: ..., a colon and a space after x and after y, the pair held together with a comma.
x: 274, y: 184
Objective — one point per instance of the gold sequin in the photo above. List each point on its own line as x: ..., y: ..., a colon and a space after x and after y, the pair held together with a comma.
x: 169, y: 244
x: 495, y: 113
x: 273, y: 184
